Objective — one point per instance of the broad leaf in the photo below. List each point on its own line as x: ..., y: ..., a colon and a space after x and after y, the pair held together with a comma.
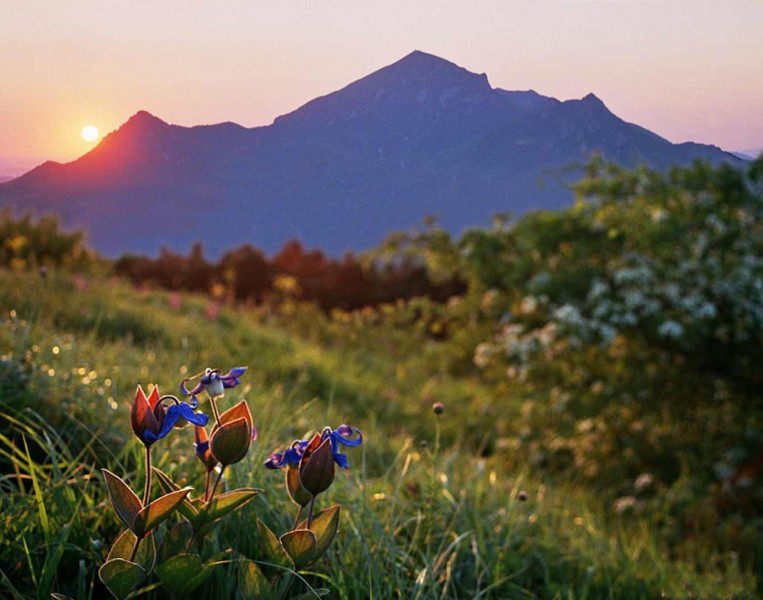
x: 183, y: 573
x: 121, y: 576
x: 186, y: 508
x: 252, y: 584
x: 123, y: 547
x: 222, y: 504
x: 324, y: 526
x: 175, y: 541
x: 126, y: 503
x: 273, y: 547
x: 158, y: 510
x: 300, y: 546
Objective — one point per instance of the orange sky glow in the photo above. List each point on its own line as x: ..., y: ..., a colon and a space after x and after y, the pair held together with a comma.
x: 687, y: 70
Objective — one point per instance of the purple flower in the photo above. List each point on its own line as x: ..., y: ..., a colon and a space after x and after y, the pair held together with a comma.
x: 171, y: 417
x: 152, y: 420
x: 344, y: 435
x: 213, y: 383
x: 292, y: 455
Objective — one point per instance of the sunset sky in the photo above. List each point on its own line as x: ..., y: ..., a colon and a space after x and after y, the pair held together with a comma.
x: 688, y: 70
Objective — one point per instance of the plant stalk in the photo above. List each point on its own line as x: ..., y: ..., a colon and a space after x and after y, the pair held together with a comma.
x: 217, y: 482
x: 298, y: 517
x: 310, y: 514
x: 147, y: 484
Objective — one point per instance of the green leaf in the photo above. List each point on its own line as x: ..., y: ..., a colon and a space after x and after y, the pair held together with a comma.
x: 161, y: 508
x: 276, y: 552
x: 121, y: 576
x: 324, y: 526
x: 175, y: 541
x: 252, y: 584
x: 300, y: 546
x: 183, y: 573
x: 126, y: 504
x: 223, y: 504
x: 123, y: 547
x: 186, y: 508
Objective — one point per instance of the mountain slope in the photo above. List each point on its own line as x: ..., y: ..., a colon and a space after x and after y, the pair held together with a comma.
x: 420, y: 136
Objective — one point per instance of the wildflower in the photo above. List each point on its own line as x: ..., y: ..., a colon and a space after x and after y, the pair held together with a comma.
x: 345, y: 435
x: 438, y: 408
x: 213, y: 383
x: 291, y: 456
x: 151, y: 420
x: 202, y: 448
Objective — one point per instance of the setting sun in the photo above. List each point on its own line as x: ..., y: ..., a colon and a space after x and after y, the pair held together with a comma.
x: 90, y: 133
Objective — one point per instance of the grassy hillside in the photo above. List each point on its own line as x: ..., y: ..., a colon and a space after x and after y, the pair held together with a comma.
x: 600, y: 434
x: 420, y: 521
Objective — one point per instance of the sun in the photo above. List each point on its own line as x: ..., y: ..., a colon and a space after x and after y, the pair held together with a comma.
x: 90, y: 133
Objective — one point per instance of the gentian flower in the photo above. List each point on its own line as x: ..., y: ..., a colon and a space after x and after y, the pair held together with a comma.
x: 151, y: 420
x: 213, y: 383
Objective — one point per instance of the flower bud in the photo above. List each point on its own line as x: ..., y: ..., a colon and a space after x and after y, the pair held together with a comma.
x: 229, y: 442
x: 316, y: 469
x: 299, y: 495
x: 438, y: 408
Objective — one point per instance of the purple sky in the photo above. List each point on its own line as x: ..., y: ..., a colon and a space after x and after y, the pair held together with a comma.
x: 688, y: 70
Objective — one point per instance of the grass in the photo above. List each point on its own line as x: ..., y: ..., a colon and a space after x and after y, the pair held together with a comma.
x: 427, y: 511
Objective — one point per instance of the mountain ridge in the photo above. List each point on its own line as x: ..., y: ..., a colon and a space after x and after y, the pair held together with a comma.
x: 420, y: 136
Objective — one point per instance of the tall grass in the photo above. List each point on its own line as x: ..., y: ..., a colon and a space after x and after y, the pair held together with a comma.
x: 428, y: 510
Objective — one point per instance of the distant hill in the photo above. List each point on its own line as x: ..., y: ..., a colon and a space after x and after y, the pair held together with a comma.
x: 420, y: 137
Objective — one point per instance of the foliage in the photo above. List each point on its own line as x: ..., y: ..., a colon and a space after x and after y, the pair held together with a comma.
x: 28, y: 243
x: 293, y: 275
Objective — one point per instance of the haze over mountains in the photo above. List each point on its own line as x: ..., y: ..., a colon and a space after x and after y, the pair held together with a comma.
x: 419, y: 137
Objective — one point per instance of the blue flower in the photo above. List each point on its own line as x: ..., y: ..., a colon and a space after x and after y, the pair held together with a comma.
x: 292, y: 455
x: 213, y: 383
x: 171, y: 417
x: 345, y: 435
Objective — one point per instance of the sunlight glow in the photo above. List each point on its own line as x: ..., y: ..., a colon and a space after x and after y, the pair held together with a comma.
x: 90, y: 133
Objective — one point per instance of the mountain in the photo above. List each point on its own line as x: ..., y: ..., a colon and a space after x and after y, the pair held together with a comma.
x: 419, y: 137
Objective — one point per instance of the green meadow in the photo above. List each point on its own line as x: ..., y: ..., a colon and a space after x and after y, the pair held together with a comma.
x: 601, y: 432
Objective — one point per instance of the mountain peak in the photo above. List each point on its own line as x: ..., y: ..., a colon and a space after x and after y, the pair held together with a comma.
x: 424, y: 66
x: 592, y: 99
x: 143, y: 121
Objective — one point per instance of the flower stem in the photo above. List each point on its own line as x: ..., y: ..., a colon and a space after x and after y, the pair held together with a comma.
x: 135, y: 549
x: 206, y: 486
x: 147, y: 485
x: 215, y: 411
x: 217, y: 482
x: 310, y: 514
x: 298, y: 517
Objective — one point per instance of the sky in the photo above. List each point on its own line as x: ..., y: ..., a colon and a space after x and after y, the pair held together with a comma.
x: 688, y: 70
